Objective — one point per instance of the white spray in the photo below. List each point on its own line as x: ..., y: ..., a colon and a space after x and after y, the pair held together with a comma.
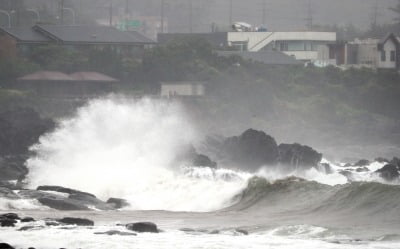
x: 126, y: 148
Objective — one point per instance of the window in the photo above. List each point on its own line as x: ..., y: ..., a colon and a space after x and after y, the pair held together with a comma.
x: 393, y: 55
x: 283, y: 46
x: 383, y: 55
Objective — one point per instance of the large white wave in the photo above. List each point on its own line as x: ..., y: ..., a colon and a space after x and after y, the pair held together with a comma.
x: 126, y: 148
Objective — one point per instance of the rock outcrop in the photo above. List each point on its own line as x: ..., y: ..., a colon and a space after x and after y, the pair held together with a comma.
x: 251, y: 150
x: 297, y: 156
x: 142, y: 227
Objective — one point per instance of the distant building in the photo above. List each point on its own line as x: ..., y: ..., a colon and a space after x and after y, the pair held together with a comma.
x: 51, y: 83
x: 182, y: 89
x: 23, y: 40
x: 265, y: 57
x: 374, y: 53
x: 300, y: 45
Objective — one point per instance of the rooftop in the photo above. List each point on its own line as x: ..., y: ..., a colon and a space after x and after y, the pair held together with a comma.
x: 90, y: 34
x: 25, y: 34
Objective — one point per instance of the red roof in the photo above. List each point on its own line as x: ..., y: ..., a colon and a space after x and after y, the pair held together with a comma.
x: 92, y: 76
x: 47, y: 76
x: 59, y: 76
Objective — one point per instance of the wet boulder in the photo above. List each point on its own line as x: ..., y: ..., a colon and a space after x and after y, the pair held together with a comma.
x: 27, y: 219
x: 362, y: 163
x: 62, y: 204
x: 5, y: 246
x: 250, y: 150
x: 118, y: 202
x: 389, y: 172
x: 297, y: 156
x: 76, y: 221
x: 142, y: 227
x: 64, y: 190
x: 116, y: 232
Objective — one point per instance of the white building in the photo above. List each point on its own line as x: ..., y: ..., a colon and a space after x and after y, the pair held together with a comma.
x: 301, y: 45
x: 182, y: 88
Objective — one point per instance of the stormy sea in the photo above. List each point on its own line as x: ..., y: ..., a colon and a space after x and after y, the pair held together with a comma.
x: 137, y: 174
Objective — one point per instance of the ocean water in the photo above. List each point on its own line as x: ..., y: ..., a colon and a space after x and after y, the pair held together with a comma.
x: 117, y: 147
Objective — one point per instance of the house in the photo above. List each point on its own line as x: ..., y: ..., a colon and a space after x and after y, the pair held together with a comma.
x: 301, y: 45
x: 50, y: 83
x: 22, y: 40
x: 265, y: 57
x: 373, y: 53
x: 182, y: 89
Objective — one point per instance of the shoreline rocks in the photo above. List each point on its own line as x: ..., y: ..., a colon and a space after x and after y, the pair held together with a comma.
x: 142, y: 227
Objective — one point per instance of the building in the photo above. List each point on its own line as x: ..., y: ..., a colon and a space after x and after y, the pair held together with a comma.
x: 265, y: 57
x: 381, y: 53
x: 182, y: 89
x: 23, y: 40
x: 300, y: 45
x: 50, y: 83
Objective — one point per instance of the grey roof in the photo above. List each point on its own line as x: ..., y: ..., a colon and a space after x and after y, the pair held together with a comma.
x: 266, y: 57
x: 25, y: 34
x: 91, y: 34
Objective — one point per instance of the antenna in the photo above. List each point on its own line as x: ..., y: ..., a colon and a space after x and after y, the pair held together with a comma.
x: 375, y: 14
x: 310, y: 18
x: 162, y: 16
x: 264, y: 12
x: 230, y: 13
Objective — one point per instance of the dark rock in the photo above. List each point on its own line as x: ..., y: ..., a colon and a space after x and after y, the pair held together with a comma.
x: 27, y: 219
x: 389, y: 172
x: 76, y: 221
x: 326, y: 168
x: 381, y: 160
x: 251, y: 150
x: 64, y: 190
x: 142, y: 227
x: 5, y: 246
x: 4, y: 222
x: 242, y: 231
x: 51, y: 223
x: 118, y: 203
x: 30, y: 228
x: 203, y: 161
x: 362, y: 169
x: 116, y: 232
x: 8, y: 194
x: 12, y: 216
x: 395, y: 161
x: 62, y: 204
x: 298, y: 156
x: 347, y: 174
x: 362, y: 162
x: 214, y: 232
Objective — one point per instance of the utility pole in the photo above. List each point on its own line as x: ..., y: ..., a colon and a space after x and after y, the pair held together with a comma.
x: 61, y: 12
x: 309, y: 19
x: 162, y: 16
x: 375, y: 14
x: 190, y: 16
x: 111, y: 13
x: 230, y: 12
x: 264, y: 12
